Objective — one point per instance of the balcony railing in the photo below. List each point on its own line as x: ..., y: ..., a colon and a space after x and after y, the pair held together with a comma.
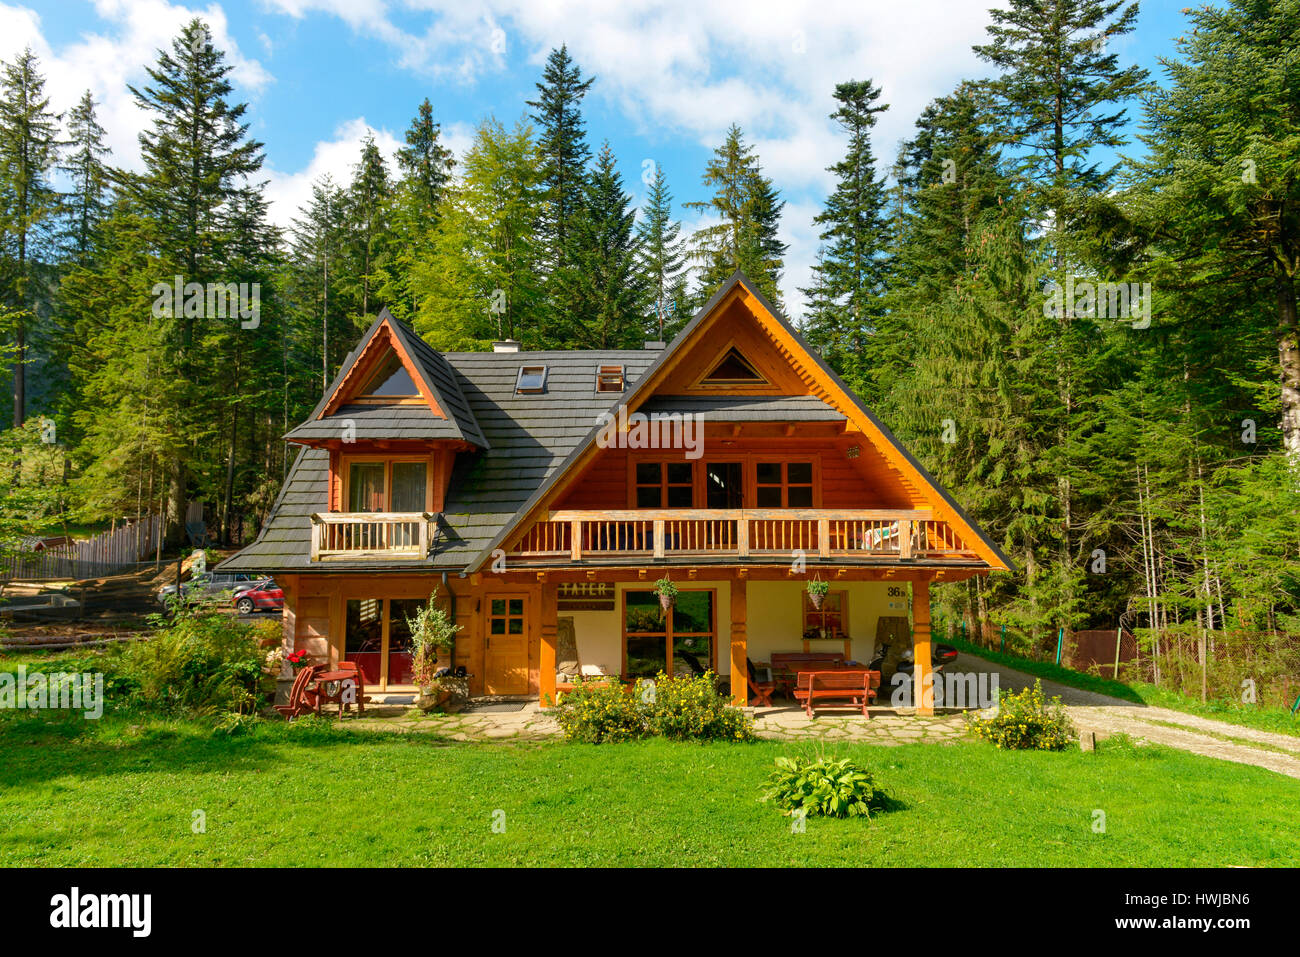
x: 902, y: 535
x: 369, y: 536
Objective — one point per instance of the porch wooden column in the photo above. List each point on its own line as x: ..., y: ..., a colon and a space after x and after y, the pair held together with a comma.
x: 922, y: 675
x: 739, y: 640
x: 550, y: 639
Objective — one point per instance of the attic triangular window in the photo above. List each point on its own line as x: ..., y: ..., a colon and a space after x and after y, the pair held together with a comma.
x: 390, y: 381
x: 733, y: 369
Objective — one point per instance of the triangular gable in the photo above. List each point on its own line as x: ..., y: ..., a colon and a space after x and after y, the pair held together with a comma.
x: 381, y: 343
x: 815, y: 377
x: 434, y: 379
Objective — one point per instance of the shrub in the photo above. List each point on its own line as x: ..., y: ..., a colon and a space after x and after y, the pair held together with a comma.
x: 1026, y: 721
x: 202, y: 663
x: 690, y: 707
x: 595, y: 713
x: 821, y: 785
x: 683, y: 708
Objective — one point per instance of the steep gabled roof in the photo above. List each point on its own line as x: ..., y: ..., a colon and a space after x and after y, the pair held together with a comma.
x: 525, y: 437
x: 835, y: 392
x: 448, y: 415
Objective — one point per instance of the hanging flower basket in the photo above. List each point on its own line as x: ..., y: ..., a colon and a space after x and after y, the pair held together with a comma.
x: 667, y: 592
x: 817, y: 590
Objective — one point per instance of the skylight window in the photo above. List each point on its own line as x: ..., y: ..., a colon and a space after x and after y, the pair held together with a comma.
x: 532, y: 380
x: 609, y: 378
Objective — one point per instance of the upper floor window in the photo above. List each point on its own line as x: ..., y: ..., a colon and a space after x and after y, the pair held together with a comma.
x: 390, y: 381
x: 609, y: 378
x: 784, y: 484
x: 532, y: 379
x: 664, y: 485
x: 387, y: 486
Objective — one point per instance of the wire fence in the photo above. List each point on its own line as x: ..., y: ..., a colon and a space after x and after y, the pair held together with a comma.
x: 1254, y: 667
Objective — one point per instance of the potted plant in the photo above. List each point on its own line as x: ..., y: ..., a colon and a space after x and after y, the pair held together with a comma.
x: 433, y: 636
x: 817, y: 590
x: 667, y: 592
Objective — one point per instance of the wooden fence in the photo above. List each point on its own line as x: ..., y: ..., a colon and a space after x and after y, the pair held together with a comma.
x: 108, y: 553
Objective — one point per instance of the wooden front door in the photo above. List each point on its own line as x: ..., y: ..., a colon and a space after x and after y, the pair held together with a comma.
x: 505, y: 644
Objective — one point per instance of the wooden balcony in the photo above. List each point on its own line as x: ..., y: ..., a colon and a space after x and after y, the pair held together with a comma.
x: 739, y: 534
x: 371, y: 536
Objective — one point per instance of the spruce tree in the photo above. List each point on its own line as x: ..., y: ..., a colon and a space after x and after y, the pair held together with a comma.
x: 197, y: 159
x: 749, y: 210
x: 86, y: 203
x: 368, y: 240
x: 849, y: 275
x: 564, y: 153
x: 662, y: 256
x: 605, y: 290
x: 28, y: 203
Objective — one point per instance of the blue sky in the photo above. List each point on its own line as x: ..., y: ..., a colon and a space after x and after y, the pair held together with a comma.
x: 670, y: 76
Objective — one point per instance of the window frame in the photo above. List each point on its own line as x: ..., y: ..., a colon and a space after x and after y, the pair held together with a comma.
x: 346, y: 462
x: 668, y: 634
x: 605, y: 371
x: 813, y: 484
x: 525, y: 370
x: 635, y: 485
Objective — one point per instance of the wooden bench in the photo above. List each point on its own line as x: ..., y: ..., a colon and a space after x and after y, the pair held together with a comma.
x: 786, y: 665
x: 854, y: 687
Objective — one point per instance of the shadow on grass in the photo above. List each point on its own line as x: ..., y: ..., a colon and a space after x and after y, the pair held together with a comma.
x: 40, y: 747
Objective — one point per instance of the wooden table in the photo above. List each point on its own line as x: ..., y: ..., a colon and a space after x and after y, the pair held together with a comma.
x: 341, y: 677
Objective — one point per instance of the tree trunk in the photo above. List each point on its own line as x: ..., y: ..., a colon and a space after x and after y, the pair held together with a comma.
x: 1288, y: 353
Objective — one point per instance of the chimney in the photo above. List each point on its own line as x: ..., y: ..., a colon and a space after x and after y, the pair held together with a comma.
x: 654, y: 345
x: 506, y: 345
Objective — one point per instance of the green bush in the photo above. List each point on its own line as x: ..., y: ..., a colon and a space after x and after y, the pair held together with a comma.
x: 202, y: 663
x: 596, y: 713
x: 1027, y: 721
x: 681, y: 709
x: 690, y: 707
x: 821, y: 785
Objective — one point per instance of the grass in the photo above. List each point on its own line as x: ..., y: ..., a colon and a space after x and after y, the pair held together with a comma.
x: 1278, y: 720
x: 124, y: 791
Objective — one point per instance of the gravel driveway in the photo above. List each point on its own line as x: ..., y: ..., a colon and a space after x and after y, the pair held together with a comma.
x: 1105, y: 715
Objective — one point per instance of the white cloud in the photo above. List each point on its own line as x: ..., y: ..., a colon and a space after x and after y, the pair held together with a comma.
x: 689, y: 68
x: 106, y: 59
x: 288, y: 192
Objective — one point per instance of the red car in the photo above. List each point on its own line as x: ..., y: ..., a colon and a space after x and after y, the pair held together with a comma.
x: 264, y: 595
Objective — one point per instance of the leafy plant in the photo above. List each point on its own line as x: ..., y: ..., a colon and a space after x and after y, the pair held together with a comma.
x: 818, y: 587
x: 1026, y: 721
x: 204, y: 663
x: 684, y: 708
x: 597, y: 712
x: 666, y: 589
x: 690, y: 707
x: 821, y: 785
x: 432, y: 635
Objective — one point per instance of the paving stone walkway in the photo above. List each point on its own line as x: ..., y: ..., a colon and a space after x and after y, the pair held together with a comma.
x: 790, y: 723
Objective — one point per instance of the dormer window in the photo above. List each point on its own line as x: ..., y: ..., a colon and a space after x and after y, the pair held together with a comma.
x: 390, y: 381
x: 532, y: 380
x: 609, y: 378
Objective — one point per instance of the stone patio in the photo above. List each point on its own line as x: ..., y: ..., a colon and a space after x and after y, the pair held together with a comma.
x: 788, y: 723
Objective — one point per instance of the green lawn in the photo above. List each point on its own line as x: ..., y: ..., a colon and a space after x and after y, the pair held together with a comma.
x: 123, y: 792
